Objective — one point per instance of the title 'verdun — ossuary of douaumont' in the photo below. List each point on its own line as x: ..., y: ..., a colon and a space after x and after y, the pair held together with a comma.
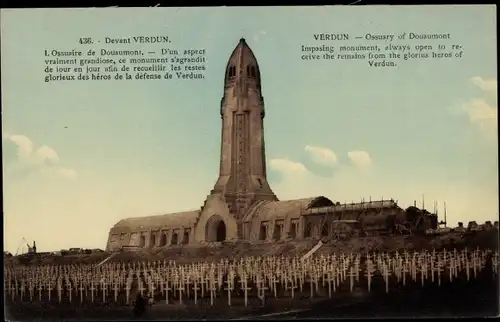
x: 242, y: 206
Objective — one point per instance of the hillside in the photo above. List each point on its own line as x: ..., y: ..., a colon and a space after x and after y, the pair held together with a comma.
x: 488, y: 239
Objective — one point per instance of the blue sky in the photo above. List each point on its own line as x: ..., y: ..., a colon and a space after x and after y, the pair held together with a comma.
x: 79, y: 156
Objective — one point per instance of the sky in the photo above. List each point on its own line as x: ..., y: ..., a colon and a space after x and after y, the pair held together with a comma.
x: 80, y: 156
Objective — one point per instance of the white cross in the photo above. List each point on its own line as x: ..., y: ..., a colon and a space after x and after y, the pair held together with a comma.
x: 352, y: 274
x: 23, y: 288
x: 261, y: 289
x: 167, y: 289
x: 81, y: 288
x: 475, y: 264
x: 31, y: 289
x: 180, y: 288
x: 330, y: 281
x: 274, y: 283
x: 141, y: 287
x: 59, y: 290
x: 152, y: 289
x: 369, y: 273
x: 92, y: 289
x: 439, y: 269
x: 195, y: 289
x: 229, y: 287
x: 49, y: 289
x: 311, y: 280
x: 385, y: 272
x: 212, y: 290
x: 104, y: 285
x: 116, y: 288
x: 40, y: 289
x: 70, y: 289
x: 244, y: 287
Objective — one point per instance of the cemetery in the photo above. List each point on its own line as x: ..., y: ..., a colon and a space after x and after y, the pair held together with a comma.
x: 239, y: 287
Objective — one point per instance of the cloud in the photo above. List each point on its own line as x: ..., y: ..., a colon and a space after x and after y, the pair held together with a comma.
x: 287, y: 166
x: 259, y: 34
x: 481, y: 113
x: 489, y: 85
x: 24, y: 145
x: 43, y: 157
x: 359, y: 158
x: 465, y: 200
x: 479, y: 110
x: 47, y: 154
x: 320, y: 155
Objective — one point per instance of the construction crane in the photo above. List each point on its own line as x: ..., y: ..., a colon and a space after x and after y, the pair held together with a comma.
x: 30, y: 249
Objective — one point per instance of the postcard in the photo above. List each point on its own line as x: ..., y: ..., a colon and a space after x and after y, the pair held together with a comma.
x: 250, y: 162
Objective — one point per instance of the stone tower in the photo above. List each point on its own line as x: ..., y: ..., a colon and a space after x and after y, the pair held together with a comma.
x: 242, y: 177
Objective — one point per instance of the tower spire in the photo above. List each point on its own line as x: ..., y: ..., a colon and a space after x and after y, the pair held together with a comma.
x: 242, y: 176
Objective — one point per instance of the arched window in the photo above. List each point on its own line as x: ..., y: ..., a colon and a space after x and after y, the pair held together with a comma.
x: 277, y: 232
x: 231, y: 72
x: 152, y: 242
x: 248, y: 71
x: 263, y: 232
x: 253, y: 71
x: 185, y: 239
x: 293, y: 230
x: 174, y: 239
x: 163, y: 240
x: 308, y: 230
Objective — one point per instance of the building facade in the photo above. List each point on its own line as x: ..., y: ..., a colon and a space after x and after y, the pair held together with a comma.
x: 242, y: 205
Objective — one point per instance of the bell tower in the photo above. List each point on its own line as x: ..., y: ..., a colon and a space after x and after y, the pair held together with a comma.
x: 242, y: 176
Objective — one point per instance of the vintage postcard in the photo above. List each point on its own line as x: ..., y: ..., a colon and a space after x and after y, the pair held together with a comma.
x: 250, y: 162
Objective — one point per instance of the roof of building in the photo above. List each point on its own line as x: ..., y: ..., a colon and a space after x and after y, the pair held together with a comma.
x: 176, y: 220
x: 380, y: 204
x: 268, y: 210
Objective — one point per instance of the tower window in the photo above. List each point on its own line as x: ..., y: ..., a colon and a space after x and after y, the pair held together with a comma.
x: 253, y: 71
x: 231, y: 72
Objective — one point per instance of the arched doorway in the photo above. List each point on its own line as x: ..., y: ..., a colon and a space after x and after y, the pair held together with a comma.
x: 215, y: 229
x: 174, y: 239
x: 163, y: 241
x: 221, y: 231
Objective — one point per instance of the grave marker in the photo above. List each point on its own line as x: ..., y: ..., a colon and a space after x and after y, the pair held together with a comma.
x: 245, y: 288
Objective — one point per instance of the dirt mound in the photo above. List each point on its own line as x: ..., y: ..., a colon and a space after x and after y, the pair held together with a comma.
x: 482, y: 239
x: 488, y: 239
x: 57, y: 259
